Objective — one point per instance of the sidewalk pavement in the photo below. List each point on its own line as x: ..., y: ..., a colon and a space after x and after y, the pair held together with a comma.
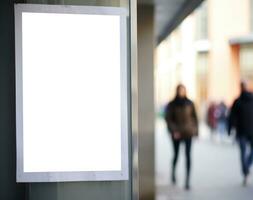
x: 216, y: 172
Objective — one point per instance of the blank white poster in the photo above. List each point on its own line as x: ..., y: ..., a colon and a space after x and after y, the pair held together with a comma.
x: 71, y: 92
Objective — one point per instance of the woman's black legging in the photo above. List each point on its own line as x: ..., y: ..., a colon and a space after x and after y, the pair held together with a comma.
x: 176, y: 146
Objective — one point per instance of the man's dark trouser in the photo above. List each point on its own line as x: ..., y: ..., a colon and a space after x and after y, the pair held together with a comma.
x: 176, y: 145
x: 246, y: 151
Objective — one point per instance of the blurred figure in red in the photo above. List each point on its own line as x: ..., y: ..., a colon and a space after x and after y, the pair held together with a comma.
x: 211, y: 117
x: 182, y: 123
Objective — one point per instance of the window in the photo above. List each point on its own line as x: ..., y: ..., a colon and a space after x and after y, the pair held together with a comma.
x: 246, y: 62
x: 202, y: 22
x: 202, y: 81
x: 251, y: 15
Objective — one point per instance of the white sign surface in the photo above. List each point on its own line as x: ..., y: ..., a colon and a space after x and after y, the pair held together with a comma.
x: 70, y: 84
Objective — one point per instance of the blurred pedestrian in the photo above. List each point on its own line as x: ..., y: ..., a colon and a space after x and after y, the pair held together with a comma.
x: 241, y: 118
x: 222, y: 119
x: 182, y: 123
x: 212, y: 117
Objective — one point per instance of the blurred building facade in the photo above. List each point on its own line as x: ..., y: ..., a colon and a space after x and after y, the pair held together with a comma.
x: 209, y: 52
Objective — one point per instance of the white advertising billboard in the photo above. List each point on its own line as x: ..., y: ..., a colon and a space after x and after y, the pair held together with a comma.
x: 71, y: 93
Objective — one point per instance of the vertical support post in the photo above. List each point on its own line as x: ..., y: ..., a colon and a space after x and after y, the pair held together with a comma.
x: 146, y: 100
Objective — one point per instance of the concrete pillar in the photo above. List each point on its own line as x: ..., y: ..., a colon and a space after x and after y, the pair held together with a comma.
x: 145, y: 24
x: 234, y: 71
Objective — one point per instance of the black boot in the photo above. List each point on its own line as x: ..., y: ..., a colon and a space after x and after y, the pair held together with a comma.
x: 187, y: 186
x: 187, y: 183
x: 173, y: 178
x: 245, y: 181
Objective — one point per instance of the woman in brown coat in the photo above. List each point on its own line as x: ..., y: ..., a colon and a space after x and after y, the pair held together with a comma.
x: 182, y: 123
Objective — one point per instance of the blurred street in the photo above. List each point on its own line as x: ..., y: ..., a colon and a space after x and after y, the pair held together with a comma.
x: 215, y: 170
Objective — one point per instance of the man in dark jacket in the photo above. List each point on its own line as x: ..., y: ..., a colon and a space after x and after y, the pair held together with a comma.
x: 241, y: 118
x: 182, y: 123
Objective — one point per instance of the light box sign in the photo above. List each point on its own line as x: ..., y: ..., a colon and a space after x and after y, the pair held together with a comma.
x: 71, y: 93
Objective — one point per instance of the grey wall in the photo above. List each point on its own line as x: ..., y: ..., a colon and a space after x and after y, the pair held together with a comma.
x: 145, y: 24
x: 9, y: 189
x: 79, y: 191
